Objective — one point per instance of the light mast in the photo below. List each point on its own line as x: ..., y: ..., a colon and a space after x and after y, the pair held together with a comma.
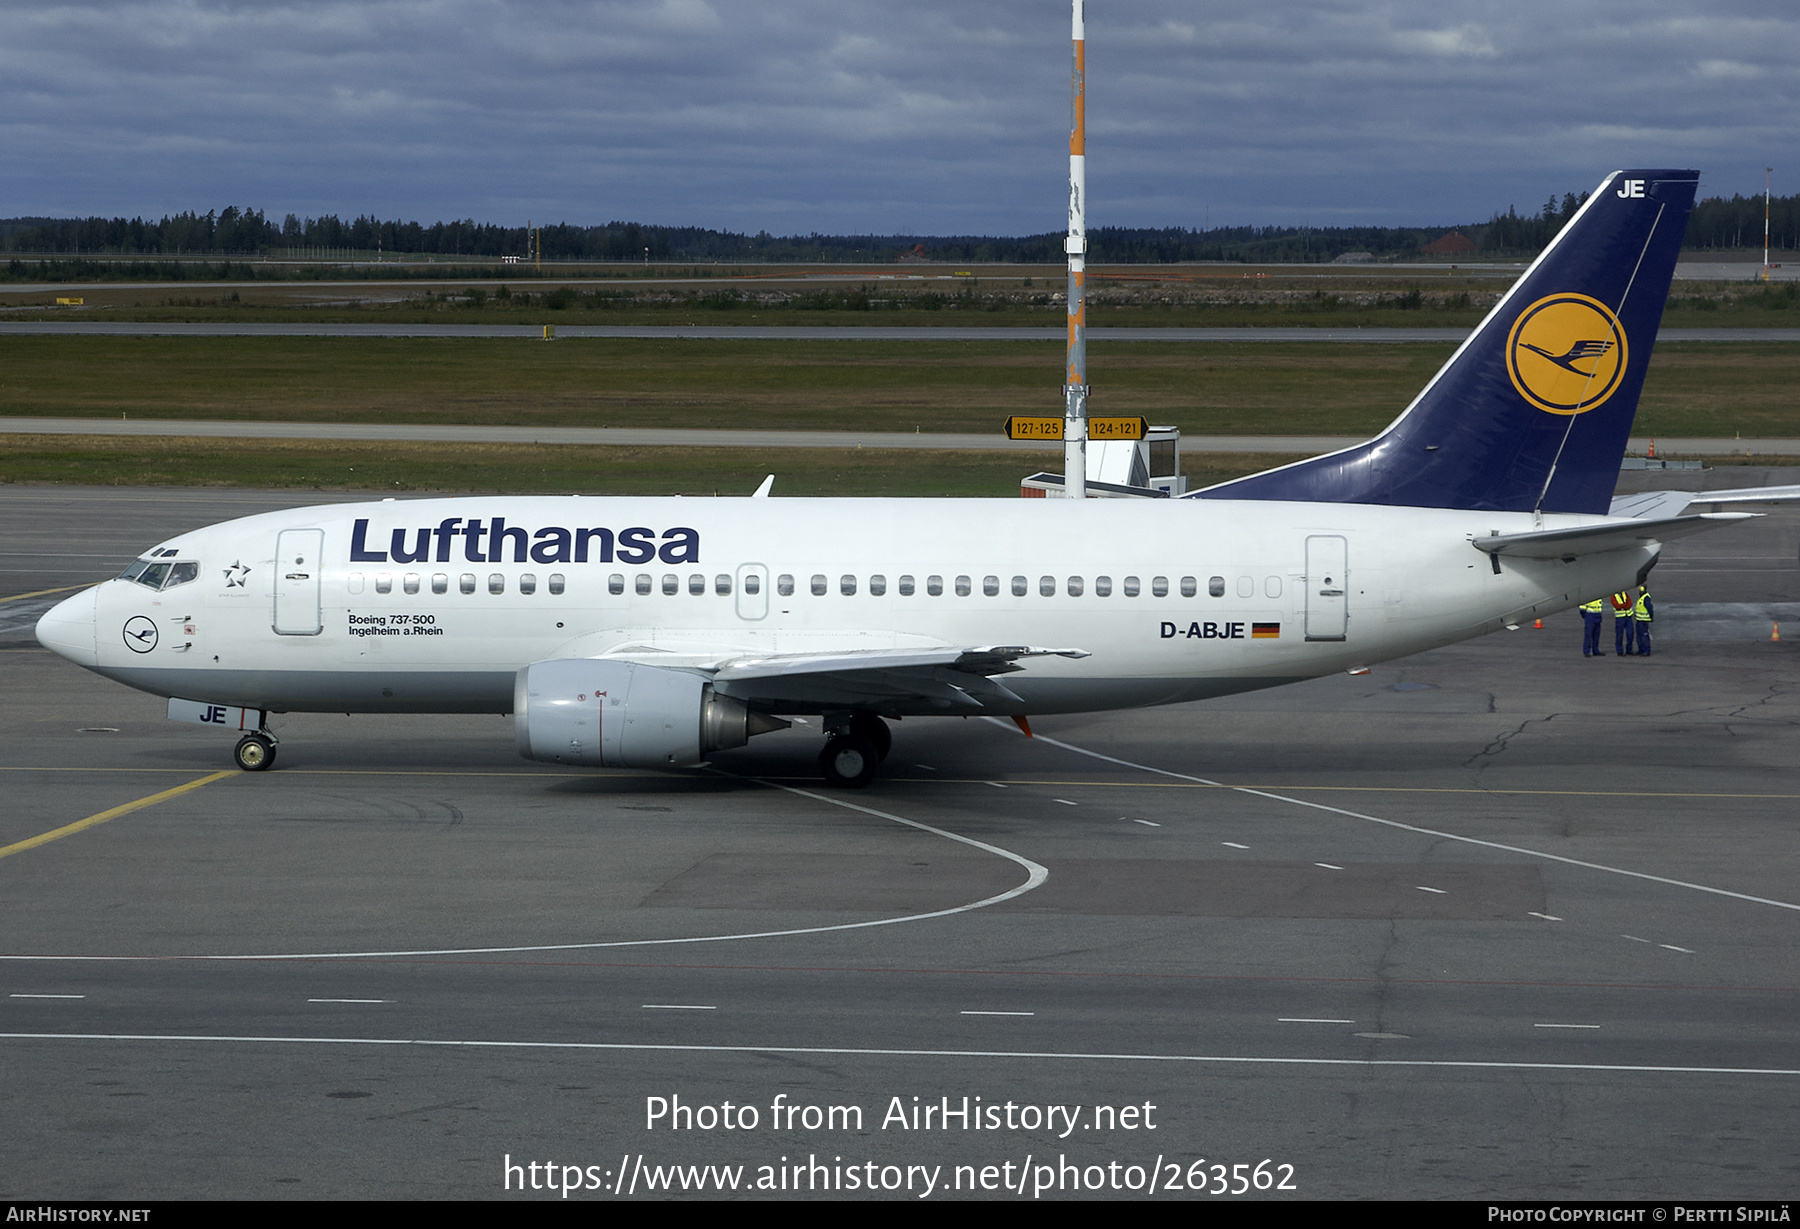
x: 1075, y: 385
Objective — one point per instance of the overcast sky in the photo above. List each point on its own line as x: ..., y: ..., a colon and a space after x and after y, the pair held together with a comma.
x: 907, y: 116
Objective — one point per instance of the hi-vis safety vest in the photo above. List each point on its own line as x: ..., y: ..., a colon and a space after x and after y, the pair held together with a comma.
x: 1592, y: 607
x: 1621, y: 603
x: 1641, y: 611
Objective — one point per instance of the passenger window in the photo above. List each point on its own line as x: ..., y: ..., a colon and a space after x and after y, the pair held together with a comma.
x: 466, y: 582
x: 1046, y: 586
x: 934, y: 585
x: 1020, y: 586
x: 356, y: 582
x: 963, y: 587
x: 410, y: 583
x: 847, y: 586
x: 1272, y: 587
x: 696, y: 584
x: 877, y: 585
x: 1131, y: 586
x: 1189, y: 586
x: 643, y: 584
x: 1102, y: 586
x: 182, y: 573
x: 496, y: 582
x: 1159, y: 586
x: 527, y: 583
x: 990, y: 585
x: 1216, y: 586
x: 615, y: 584
x: 1246, y: 586
x: 752, y: 583
x: 784, y: 585
x: 440, y: 583
x: 906, y: 586
x: 1075, y: 586
x: 818, y: 584
x: 556, y: 583
x: 722, y: 584
x: 671, y: 584
x: 384, y: 582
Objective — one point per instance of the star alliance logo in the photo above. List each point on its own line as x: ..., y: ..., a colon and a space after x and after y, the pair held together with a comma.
x: 234, y: 575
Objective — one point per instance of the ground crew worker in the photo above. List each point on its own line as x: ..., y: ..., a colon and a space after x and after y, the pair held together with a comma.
x: 1624, y: 641
x: 1590, y: 632
x: 1642, y: 612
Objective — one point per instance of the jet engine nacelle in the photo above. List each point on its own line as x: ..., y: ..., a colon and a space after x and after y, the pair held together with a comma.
x: 616, y: 714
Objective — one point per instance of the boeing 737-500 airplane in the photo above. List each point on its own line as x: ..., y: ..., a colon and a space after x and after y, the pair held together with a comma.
x: 651, y: 632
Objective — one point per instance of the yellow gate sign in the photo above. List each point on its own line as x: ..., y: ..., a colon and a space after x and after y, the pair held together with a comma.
x: 1048, y: 427
x: 1034, y: 427
x: 1117, y: 428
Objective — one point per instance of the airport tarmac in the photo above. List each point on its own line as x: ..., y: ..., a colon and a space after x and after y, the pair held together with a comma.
x: 1495, y: 922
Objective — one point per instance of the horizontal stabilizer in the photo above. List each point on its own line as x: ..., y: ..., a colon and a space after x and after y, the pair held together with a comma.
x: 1597, y: 539
x: 1654, y: 504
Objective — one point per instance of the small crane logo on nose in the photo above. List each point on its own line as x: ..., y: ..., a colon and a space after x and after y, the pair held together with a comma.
x: 140, y: 634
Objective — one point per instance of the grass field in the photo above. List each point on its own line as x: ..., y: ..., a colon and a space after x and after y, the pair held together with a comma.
x: 1694, y: 389
x: 1140, y: 296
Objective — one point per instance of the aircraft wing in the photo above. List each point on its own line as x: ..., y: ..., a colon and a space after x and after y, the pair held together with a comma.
x: 1595, y: 539
x: 910, y: 680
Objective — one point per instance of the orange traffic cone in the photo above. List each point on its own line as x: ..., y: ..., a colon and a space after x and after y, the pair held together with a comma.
x: 1775, y: 632
x: 1653, y: 448
x: 1539, y: 623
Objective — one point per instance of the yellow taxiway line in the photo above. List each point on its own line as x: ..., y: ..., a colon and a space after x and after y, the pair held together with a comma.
x: 19, y: 597
x: 56, y: 834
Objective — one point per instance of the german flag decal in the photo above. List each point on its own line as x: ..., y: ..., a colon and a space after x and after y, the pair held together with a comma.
x: 1265, y: 631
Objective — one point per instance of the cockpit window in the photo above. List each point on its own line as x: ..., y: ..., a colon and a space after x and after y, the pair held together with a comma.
x: 161, y: 575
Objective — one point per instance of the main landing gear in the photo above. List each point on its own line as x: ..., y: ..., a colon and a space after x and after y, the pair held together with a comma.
x: 255, y: 752
x: 857, y: 743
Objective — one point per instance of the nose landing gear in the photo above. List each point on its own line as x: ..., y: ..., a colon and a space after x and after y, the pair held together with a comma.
x: 255, y: 752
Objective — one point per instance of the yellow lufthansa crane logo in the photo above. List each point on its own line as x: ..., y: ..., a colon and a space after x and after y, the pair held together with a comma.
x: 1566, y: 354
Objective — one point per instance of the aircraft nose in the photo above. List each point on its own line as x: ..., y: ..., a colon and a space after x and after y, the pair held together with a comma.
x: 67, y: 628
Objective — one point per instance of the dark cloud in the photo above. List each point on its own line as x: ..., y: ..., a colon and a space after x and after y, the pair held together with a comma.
x: 795, y: 115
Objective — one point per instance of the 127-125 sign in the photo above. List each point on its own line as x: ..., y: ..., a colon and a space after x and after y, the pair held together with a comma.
x: 1049, y: 427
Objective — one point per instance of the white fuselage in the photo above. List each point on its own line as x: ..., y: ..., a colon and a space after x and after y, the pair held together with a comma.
x: 1171, y: 600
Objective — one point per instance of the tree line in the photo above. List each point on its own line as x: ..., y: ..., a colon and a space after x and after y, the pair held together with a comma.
x: 1716, y: 224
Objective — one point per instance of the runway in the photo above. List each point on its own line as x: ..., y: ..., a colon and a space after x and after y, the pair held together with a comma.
x: 676, y: 437
x: 693, y: 332
x: 1491, y: 922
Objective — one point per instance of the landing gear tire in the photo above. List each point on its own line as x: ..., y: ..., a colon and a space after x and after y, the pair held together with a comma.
x: 848, y: 761
x: 254, y: 753
x: 873, y: 728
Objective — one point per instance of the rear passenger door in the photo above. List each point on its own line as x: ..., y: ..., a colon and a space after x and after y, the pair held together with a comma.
x: 1327, y: 587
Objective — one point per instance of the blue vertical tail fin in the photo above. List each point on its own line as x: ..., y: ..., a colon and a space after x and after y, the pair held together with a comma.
x: 1533, y: 411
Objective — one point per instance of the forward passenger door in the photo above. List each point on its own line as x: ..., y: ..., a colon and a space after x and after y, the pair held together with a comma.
x: 298, y: 582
